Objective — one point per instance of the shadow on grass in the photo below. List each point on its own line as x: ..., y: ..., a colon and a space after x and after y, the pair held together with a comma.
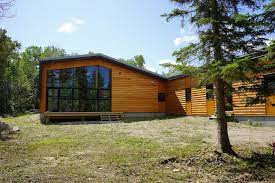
x: 91, y: 122
x: 257, y: 167
x: 139, y: 119
x: 6, y: 137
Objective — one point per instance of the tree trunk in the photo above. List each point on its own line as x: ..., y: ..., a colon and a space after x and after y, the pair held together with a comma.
x: 223, y: 139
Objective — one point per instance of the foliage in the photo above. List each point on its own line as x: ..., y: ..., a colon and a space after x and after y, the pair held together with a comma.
x: 8, y: 70
x: 19, y: 77
x: 137, y: 61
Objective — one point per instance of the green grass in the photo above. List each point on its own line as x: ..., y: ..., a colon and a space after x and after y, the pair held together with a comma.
x: 155, y: 150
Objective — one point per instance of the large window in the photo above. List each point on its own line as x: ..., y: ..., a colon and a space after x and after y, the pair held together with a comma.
x: 82, y: 89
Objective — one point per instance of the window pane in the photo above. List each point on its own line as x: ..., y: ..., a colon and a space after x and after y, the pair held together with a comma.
x: 76, y: 105
x: 52, y: 92
x: 104, y: 94
x: 91, y: 76
x: 92, y: 94
x: 52, y: 104
x: 82, y: 104
x: 80, y: 79
x: 104, y: 106
x: 76, y: 93
x: 66, y: 105
x: 104, y: 78
x: 83, y: 92
x: 66, y: 78
x: 66, y: 92
x: 91, y: 106
x: 53, y: 78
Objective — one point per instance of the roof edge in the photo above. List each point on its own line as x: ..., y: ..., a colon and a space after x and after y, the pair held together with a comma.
x: 104, y: 57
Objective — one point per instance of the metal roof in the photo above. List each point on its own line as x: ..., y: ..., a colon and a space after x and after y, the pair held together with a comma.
x: 112, y: 60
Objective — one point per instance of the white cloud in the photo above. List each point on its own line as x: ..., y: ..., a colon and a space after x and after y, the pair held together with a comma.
x: 150, y: 68
x: 187, y: 35
x: 185, y: 39
x: 165, y: 61
x: 70, y: 26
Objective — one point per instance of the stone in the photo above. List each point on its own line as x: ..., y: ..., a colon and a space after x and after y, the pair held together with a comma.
x: 176, y: 170
x: 16, y: 129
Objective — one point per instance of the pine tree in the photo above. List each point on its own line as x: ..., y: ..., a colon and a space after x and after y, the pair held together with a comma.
x: 227, y: 29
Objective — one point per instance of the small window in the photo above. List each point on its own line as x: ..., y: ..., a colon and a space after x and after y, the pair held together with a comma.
x: 209, y: 92
x: 188, y: 95
x: 161, y: 97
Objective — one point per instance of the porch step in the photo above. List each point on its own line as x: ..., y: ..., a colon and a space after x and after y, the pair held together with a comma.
x: 110, y: 117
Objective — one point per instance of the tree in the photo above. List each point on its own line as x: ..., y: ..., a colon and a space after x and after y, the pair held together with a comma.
x: 8, y: 55
x: 137, y: 61
x: 29, y: 69
x: 226, y: 30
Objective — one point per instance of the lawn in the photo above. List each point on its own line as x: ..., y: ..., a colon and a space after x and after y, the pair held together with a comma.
x: 163, y: 150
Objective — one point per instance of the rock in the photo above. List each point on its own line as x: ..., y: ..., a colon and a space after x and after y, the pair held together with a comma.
x: 15, y: 129
x: 4, y: 126
x: 176, y: 170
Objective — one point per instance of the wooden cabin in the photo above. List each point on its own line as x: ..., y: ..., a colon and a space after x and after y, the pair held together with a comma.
x: 96, y: 84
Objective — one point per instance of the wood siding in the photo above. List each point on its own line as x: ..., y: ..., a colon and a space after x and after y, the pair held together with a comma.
x: 131, y: 91
x: 199, y: 106
x: 239, y: 104
x: 176, y: 103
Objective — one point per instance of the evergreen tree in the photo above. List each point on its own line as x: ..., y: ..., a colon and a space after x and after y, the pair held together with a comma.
x: 227, y: 30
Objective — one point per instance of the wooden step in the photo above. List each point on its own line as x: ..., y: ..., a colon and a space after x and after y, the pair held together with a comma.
x: 110, y: 117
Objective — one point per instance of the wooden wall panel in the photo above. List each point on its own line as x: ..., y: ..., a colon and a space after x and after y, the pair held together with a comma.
x: 176, y: 103
x: 131, y: 91
x: 239, y: 104
x: 198, y: 100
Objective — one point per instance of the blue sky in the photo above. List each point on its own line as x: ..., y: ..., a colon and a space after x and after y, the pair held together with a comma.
x: 121, y: 28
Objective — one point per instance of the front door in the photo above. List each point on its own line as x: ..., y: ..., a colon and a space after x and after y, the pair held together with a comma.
x: 270, y: 105
x: 210, y: 107
x: 188, y: 108
x: 188, y: 98
x: 270, y: 102
x: 210, y: 103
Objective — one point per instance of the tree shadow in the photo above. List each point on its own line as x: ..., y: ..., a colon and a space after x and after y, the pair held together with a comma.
x: 257, y: 167
x: 6, y: 137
